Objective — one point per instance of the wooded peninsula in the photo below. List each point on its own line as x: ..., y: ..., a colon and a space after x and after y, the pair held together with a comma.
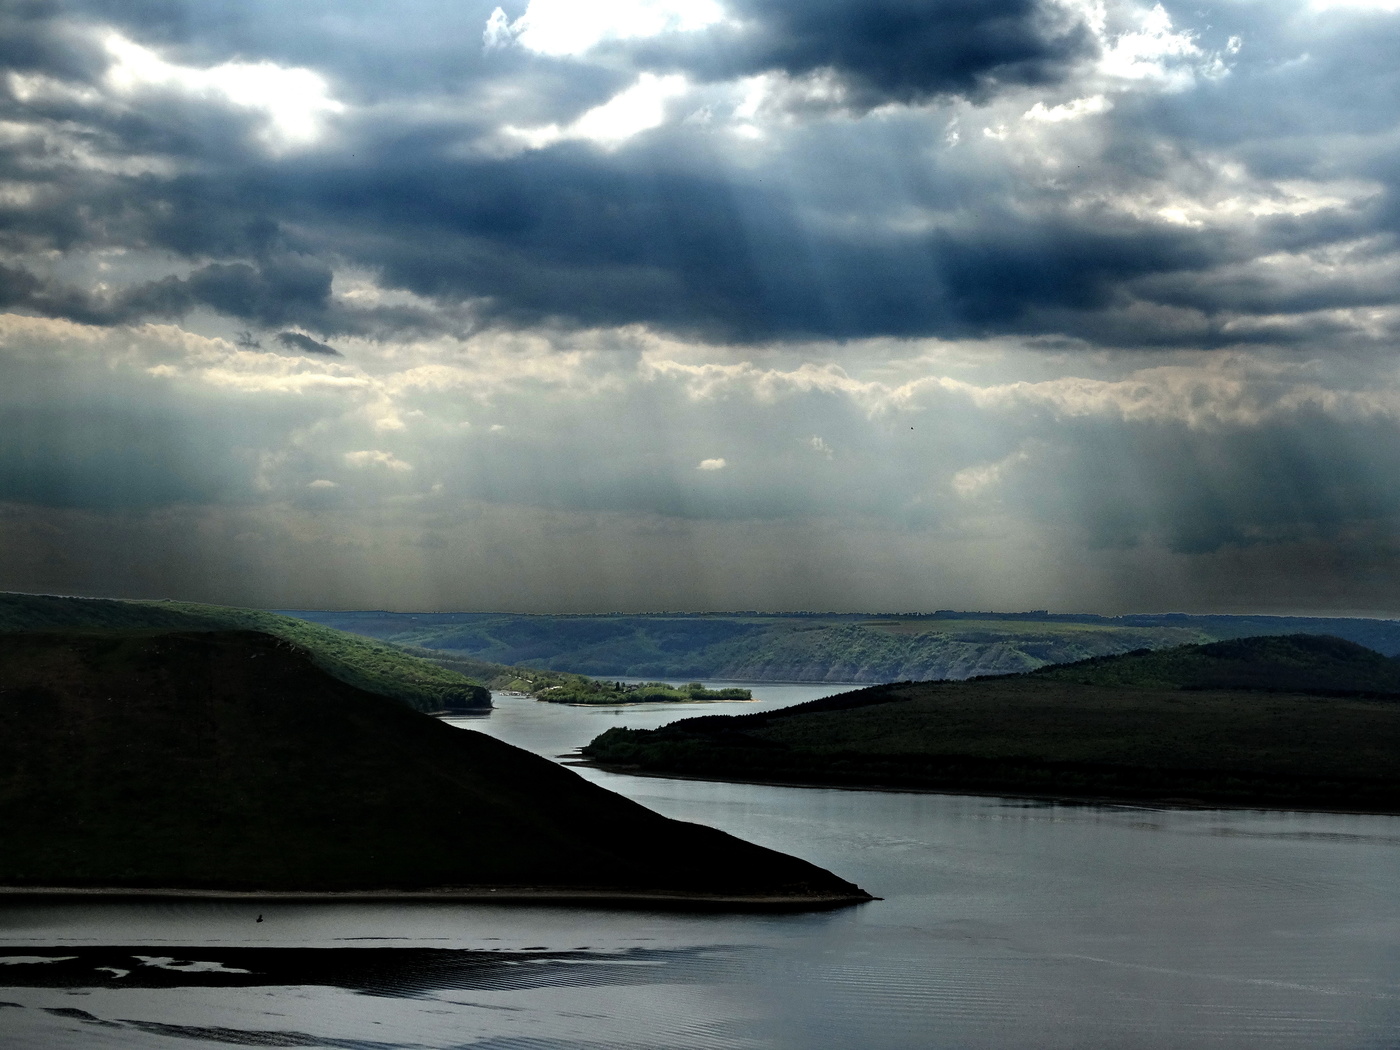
x: 1299, y: 721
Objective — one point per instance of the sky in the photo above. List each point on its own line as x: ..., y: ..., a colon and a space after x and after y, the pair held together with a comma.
x: 881, y: 305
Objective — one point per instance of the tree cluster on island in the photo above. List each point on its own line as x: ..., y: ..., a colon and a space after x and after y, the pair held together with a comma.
x: 595, y: 691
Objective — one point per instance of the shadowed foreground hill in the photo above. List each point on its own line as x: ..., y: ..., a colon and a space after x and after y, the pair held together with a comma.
x: 1298, y: 721
x: 372, y: 665
x: 227, y: 761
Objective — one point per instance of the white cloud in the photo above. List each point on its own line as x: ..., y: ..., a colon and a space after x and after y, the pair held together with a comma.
x: 1078, y: 108
x: 497, y: 33
x: 567, y: 27
x: 638, y: 108
x: 373, y: 457
x: 294, y: 101
x: 322, y: 483
x: 718, y: 463
x: 1155, y: 51
x: 1226, y: 193
x: 974, y: 480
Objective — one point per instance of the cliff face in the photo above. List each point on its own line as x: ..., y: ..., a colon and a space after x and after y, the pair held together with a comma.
x: 230, y: 761
x: 861, y: 653
x: 758, y: 648
x: 815, y: 647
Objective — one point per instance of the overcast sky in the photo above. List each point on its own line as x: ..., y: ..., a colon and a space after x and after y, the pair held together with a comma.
x: 702, y: 304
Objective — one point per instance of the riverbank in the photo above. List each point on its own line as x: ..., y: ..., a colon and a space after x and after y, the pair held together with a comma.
x: 461, y: 895
x: 1042, y: 798
x: 1115, y: 730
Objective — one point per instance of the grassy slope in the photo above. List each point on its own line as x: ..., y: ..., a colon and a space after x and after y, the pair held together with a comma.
x: 1287, y: 663
x: 497, y: 676
x: 560, y: 687
x: 819, y: 648
x: 366, y: 664
x: 229, y: 760
x: 1212, y: 723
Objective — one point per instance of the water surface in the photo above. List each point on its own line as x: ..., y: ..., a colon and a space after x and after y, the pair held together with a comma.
x: 1004, y: 924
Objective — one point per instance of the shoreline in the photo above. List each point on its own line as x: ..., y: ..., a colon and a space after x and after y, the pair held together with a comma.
x: 456, y: 895
x: 1122, y: 802
x: 644, y: 703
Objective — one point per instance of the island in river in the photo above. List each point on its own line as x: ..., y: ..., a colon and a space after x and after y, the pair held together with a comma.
x: 226, y: 762
x: 600, y: 691
x: 1301, y: 721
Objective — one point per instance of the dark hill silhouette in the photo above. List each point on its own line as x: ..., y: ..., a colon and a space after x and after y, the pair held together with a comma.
x: 224, y: 761
x: 1296, y: 720
x: 361, y: 662
x: 1299, y: 663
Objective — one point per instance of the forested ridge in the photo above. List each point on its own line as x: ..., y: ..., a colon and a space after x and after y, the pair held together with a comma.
x: 819, y: 647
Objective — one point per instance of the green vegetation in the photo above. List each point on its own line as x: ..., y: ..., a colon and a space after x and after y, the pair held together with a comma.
x: 560, y: 687
x: 229, y: 760
x: 498, y: 677
x: 1288, y: 663
x: 592, y: 691
x: 425, y: 679
x: 824, y: 647
x: 370, y: 665
x: 1300, y: 721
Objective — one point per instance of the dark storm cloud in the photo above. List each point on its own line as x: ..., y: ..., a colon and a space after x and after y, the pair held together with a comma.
x: 22, y: 290
x: 663, y: 230
x: 566, y: 234
x: 561, y: 234
x: 888, y: 50
x: 33, y: 38
x: 283, y: 291
x: 297, y: 341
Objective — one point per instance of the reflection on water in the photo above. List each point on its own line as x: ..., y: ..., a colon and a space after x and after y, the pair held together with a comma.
x: 1005, y: 924
x: 402, y: 972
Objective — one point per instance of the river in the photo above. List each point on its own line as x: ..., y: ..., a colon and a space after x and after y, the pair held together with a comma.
x: 1004, y: 924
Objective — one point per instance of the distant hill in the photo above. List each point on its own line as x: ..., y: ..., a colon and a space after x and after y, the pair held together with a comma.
x: 826, y: 647
x: 366, y: 664
x: 230, y: 761
x: 1295, y: 721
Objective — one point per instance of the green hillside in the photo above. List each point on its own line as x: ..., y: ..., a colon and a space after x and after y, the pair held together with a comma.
x: 756, y: 648
x: 366, y: 664
x: 230, y: 761
x: 560, y: 687
x: 836, y: 648
x: 1300, y: 721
